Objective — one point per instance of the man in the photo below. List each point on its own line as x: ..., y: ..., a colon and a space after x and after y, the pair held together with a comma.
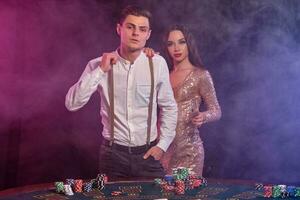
x: 123, y: 80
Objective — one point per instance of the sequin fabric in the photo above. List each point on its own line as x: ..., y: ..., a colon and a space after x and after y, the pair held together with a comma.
x: 187, y: 148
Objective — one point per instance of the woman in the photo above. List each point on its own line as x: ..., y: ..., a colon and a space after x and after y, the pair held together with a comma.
x: 192, y: 85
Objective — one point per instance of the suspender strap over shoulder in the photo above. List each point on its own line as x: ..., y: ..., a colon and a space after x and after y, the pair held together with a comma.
x: 150, y: 101
x: 111, y: 103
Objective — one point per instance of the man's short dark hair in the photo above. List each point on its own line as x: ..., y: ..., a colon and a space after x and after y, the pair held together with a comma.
x: 136, y: 11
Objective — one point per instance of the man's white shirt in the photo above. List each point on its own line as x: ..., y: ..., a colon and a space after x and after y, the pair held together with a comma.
x: 132, y: 82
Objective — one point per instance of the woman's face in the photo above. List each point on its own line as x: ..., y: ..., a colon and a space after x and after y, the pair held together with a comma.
x: 177, y: 46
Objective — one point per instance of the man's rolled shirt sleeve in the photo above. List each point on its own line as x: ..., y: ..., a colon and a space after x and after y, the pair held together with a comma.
x: 168, y: 108
x: 80, y: 93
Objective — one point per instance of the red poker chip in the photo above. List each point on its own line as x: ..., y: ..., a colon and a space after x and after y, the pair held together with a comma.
x: 116, y: 193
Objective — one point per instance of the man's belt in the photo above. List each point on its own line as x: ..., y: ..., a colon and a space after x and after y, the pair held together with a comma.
x: 129, y: 149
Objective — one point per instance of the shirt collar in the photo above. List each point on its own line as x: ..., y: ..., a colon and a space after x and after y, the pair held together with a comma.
x: 126, y: 62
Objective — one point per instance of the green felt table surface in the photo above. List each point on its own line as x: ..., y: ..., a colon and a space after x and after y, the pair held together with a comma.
x: 215, y: 190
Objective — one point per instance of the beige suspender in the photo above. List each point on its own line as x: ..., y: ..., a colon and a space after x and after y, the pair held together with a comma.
x: 111, y: 102
x: 150, y: 101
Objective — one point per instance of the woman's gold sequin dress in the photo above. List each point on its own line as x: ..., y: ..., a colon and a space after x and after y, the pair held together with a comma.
x: 187, y: 148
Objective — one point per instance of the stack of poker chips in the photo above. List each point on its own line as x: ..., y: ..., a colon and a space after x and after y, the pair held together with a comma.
x: 100, y: 181
x: 78, y: 185
x: 87, y: 187
x: 59, y: 187
x: 180, y: 187
x: 181, y: 173
x: 180, y: 181
x: 69, y: 185
x: 278, y: 191
x: 68, y: 190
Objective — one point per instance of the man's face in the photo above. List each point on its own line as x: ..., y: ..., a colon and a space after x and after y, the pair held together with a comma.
x: 134, y: 32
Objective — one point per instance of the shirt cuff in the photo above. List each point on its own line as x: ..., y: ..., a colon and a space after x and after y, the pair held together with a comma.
x: 164, y: 145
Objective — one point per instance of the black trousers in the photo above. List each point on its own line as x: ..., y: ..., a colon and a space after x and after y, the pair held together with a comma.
x: 121, y: 162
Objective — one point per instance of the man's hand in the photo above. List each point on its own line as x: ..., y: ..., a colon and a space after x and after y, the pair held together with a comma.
x: 149, y: 52
x: 155, y: 151
x: 108, y: 59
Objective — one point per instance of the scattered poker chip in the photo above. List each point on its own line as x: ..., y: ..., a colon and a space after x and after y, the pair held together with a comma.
x: 116, y: 193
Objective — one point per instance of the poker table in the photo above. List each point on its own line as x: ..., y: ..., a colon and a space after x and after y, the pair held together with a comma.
x: 146, y: 189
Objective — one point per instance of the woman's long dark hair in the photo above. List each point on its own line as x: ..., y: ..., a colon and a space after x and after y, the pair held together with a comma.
x: 194, y: 56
